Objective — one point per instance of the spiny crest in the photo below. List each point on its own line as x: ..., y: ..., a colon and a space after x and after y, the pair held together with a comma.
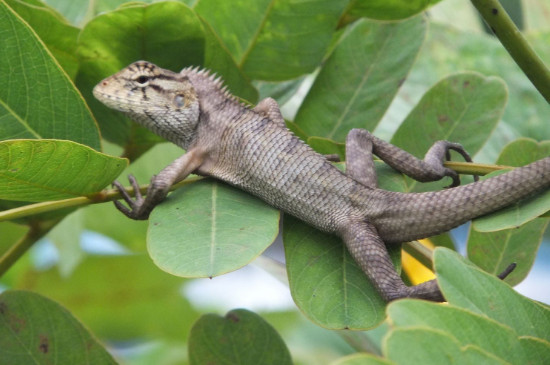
x: 215, y: 80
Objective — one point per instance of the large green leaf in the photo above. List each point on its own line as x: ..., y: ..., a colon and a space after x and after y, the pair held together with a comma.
x: 241, y: 337
x: 168, y: 34
x: 466, y: 286
x: 467, y: 328
x: 42, y: 170
x: 209, y: 228
x: 325, y: 282
x: 389, y: 9
x: 119, y: 298
x: 448, y: 50
x: 37, y: 99
x: 451, y: 110
x: 360, y: 78
x: 36, y: 330
x: 255, y: 30
x: 218, y: 59
x: 53, y: 30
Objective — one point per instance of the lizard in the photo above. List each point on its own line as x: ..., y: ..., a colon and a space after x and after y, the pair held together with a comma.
x: 252, y: 149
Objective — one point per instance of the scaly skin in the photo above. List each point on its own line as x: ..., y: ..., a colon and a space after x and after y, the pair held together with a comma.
x: 253, y: 150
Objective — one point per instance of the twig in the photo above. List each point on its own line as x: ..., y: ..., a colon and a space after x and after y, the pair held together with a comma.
x: 511, y: 38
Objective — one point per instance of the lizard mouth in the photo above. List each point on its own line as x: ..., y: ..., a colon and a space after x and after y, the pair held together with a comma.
x: 111, y: 100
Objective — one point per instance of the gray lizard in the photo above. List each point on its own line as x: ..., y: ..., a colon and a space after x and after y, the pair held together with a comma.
x: 252, y: 149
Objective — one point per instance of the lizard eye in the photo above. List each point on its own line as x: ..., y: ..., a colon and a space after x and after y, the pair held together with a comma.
x: 142, y: 80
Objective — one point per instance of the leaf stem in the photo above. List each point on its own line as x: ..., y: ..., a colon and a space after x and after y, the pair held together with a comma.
x: 101, y: 197
x: 36, y: 232
x: 469, y: 168
x: 511, y: 38
x: 423, y: 254
x: 360, y: 342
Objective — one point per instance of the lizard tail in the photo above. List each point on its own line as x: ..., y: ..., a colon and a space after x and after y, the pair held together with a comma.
x: 421, y: 215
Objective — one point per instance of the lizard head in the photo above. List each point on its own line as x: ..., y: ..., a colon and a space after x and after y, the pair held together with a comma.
x: 161, y: 100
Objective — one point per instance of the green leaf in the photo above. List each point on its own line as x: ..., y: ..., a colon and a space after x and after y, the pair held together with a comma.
x: 448, y: 50
x: 42, y: 170
x: 241, y: 337
x: 168, y: 34
x: 37, y: 99
x: 451, y: 110
x: 209, y: 228
x: 218, y: 60
x: 36, y: 330
x: 119, y: 298
x: 255, y: 30
x: 53, y: 30
x: 468, y: 328
x: 389, y: 9
x: 325, y: 282
x: 518, y: 153
x: 494, y: 251
x: 430, y: 346
x: 360, y: 78
x: 492, y: 297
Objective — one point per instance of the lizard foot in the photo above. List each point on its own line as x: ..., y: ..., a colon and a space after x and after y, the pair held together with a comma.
x: 451, y: 173
x: 137, y: 207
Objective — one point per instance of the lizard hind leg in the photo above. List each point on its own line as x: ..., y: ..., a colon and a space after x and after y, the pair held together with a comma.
x: 370, y: 252
x: 361, y: 145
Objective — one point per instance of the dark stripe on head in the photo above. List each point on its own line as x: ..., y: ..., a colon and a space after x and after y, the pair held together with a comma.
x: 156, y: 88
x: 145, y: 97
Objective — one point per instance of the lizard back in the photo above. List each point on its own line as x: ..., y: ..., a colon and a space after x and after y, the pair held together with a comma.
x: 264, y: 158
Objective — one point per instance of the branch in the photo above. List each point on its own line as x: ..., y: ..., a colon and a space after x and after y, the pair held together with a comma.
x: 101, y: 197
x: 36, y: 232
x: 516, y: 45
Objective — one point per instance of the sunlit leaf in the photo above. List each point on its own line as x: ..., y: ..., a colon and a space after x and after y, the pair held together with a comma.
x: 41, y: 170
x: 208, y: 229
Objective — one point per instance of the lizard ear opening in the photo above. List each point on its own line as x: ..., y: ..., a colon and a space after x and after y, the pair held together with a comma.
x: 179, y: 101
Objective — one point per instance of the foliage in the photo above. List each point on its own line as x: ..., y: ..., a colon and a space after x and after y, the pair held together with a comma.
x: 335, y: 65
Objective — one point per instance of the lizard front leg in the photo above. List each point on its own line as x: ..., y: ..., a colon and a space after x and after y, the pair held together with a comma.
x: 140, y: 208
x: 360, y: 145
x: 268, y: 107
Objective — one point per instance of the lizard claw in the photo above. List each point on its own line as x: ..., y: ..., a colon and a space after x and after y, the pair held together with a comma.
x: 136, y: 205
x: 458, y: 148
x: 453, y: 175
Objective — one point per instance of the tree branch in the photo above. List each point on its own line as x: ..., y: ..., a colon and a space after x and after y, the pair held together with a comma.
x: 511, y: 38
